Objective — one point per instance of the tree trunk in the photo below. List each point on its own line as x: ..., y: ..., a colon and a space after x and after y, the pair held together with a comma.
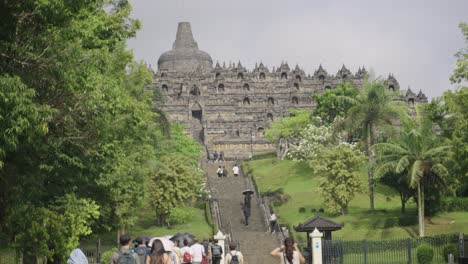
x: 403, y: 202
x: 420, y: 210
x: 369, y: 171
x: 344, y: 210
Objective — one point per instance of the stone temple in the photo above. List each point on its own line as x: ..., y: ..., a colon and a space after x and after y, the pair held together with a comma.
x: 227, y: 107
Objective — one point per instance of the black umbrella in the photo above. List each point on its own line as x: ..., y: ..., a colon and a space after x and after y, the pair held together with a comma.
x: 248, y: 191
x: 180, y: 237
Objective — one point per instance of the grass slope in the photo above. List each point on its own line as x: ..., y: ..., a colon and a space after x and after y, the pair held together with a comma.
x: 302, y: 186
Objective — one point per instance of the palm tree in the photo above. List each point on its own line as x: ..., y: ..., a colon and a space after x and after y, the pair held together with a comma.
x: 373, y: 107
x: 418, y: 152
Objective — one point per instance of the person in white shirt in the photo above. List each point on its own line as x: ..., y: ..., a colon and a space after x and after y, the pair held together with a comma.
x: 234, y: 254
x: 273, y: 220
x: 184, y: 250
x: 219, y: 171
x: 198, y: 251
x: 235, y: 170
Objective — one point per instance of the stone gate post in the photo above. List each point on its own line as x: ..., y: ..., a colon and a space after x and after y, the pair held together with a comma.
x: 316, y: 246
x: 221, y: 238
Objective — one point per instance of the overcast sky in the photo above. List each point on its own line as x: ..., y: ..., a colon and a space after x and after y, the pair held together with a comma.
x: 415, y: 40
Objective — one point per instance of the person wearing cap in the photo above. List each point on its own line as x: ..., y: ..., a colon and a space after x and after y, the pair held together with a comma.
x: 159, y: 252
x: 125, y: 251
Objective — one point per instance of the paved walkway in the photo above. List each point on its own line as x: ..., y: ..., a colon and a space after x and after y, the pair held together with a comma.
x: 255, y: 241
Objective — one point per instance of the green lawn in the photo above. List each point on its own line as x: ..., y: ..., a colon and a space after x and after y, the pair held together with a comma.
x: 146, y: 226
x: 302, y: 187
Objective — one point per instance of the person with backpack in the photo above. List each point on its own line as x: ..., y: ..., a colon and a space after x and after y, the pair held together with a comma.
x: 234, y: 256
x: 288, y: 253
x: 216, y: 253
x: 224, y: 171
x: 186, y: 253
x: 125, y: 254
x: 141, y: 250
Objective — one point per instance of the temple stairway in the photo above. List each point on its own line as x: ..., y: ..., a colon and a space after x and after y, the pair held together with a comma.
x: 255, y: 241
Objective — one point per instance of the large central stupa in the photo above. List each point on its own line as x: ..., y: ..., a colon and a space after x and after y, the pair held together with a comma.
x: 185, y: 55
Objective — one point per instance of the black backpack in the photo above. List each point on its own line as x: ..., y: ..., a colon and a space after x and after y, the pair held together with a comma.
x: 141, y: 252
x: 216, y: 250
x: 126, y: 258
x: 234, y: 259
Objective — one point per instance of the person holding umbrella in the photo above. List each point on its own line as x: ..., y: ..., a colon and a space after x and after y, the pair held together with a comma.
x: 246, y: 207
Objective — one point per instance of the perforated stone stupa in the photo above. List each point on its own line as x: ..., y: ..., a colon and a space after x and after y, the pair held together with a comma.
x: 227, y: 107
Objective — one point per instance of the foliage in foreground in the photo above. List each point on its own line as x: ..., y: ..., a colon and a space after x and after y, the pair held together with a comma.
x: 76, y: 120
x: 425, y: 254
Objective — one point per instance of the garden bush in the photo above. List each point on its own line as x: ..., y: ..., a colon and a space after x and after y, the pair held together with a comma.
x: 106, y: 256
x: 179, y: 216
x: 302, y: 210
x: 425, y: 254
x: 407, y: 220
x: 391, y: 222
x: 449, y: 249
x: 264, y: 155
x: 452, y: 204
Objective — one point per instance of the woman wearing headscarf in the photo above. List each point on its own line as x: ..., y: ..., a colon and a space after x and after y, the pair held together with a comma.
x: 288, y: 253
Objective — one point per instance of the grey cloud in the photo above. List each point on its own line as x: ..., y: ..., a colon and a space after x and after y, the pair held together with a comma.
x: 414, y: 40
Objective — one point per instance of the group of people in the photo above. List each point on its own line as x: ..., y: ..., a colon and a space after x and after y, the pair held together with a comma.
x: 163, y: 251
x: 222, y: 171
x: 218, y: 157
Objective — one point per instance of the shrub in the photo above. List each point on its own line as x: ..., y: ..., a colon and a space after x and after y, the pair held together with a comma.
x: 264, y: 155
x: 452, y: 204
x: 407, y: 220
x: 313, y: 210
x: 321, y: 210
x: 106, y: 256
x: 391, y: 222
x: 449, y: 249
x: 179, y: 216
x: 424, y: 253
x: 302, y: 209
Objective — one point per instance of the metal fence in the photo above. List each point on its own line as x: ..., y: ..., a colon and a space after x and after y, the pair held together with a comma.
x: 384, y: 251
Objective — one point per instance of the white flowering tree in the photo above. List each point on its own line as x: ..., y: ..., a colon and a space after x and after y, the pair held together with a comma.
x: 311, y: 139
x: 287, y: 133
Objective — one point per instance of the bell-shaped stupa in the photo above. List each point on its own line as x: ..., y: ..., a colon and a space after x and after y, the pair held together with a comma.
x: 185, y: 55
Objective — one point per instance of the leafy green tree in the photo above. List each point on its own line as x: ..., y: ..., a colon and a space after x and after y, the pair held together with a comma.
x: 286, y: 133
x: 335, y: 103
x: 374, y: 106
x: 340, y: 167
x: 449, y: 113
x: 76, y: 117
x: 173, y: 183
x: 52, y: 231
x: 420, y: 153
x: 460, y: 74
x: 399, y: 182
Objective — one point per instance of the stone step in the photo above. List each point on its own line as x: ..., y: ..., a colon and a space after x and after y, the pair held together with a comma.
x: 255, y: 242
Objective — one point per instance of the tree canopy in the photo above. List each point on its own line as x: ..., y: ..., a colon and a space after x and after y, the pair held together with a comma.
x: 78, y: 130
